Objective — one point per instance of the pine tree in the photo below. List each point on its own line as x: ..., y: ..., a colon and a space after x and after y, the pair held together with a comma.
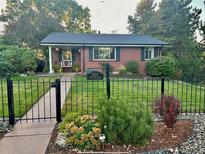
x: 179, y: 21
x: 142, y: 21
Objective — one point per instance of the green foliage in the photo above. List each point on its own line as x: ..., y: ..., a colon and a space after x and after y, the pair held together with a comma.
x: 76, y: 67
x: 132, y: 67
x: 103, y: 65
x: 67, y: 119
x: 40, y: 17
x: 122, y: 70
x: 121, y: 123
x: 81, y: 132
x: 16, y: 60
x: 57, y: 69
x: 191, y: 67
x: 162, y: 66
x: 142, y: 21
x: 175, y: 22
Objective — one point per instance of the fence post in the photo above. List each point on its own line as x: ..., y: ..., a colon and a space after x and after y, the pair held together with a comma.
x: 58, y: 100
x: 108, y: 80
x: 162, y: 86
x: 10, y: 101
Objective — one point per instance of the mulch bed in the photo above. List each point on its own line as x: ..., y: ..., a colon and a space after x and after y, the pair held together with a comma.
x: 163, y: 138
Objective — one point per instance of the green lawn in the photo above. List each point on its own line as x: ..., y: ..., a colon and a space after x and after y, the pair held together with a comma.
x: 27, y: 91
x: 84, y: 94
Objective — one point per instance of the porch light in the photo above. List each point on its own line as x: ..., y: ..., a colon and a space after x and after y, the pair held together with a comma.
x: 102, y: 138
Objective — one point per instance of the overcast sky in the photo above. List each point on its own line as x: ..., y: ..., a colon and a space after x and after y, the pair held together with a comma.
x: 109, y: 15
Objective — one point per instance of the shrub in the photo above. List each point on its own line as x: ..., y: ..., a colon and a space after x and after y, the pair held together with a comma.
x: 16, y: 60
x: 76, y: 67
x: 169, y: 108
x: 57, y: 69
x: 132, y: 67
x: 162, y: 66
x: 103, y: 65
x: 123, y: 124
x: 122, y: 70
x: 81, y: 132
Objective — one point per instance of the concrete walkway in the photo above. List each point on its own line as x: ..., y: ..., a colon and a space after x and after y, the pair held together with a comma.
x: 30, y: 137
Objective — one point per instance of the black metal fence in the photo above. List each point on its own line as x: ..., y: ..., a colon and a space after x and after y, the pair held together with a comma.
x: 27, y: 100
x: 84, y: 94
x: 41, y: 100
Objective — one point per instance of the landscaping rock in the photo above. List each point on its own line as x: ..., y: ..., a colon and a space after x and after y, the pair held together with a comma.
x: 5, y: 127
x: 61, y: 141
x: 195, y: 143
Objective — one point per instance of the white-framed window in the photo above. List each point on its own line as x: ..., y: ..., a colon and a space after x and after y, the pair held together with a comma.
x: 148, y: 53
x: 157, y: 52
x: 66, y: 55
x: 104, y: 53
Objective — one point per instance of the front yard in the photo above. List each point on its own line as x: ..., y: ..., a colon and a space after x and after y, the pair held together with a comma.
x: 84, y: 93
x: 27, y: 91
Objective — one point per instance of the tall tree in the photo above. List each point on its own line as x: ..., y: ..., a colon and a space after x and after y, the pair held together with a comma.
x: 31, y: 20
x: 202, y: 30
x: 142, y: 22
x: 179, y: 22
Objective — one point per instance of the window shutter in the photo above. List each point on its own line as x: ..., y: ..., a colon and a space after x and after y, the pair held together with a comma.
x: 117, y: 53
x: 156, y: 52
x: 73, y: 55
x: 90, y: 53
x: 60, y: 53
x: 142, y: 54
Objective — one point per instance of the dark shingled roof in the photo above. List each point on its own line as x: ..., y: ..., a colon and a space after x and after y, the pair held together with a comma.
x: 100, y: 39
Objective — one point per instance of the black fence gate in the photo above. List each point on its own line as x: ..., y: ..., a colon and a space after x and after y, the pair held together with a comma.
x: 30, y: 100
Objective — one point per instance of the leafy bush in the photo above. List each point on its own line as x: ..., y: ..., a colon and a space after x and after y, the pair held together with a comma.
x: 123, y: 124
x: 162, y: 66
x: 57, y: 69
x: 122, y: 70
x: 16, y: 60
x: 76, y: 67
x: 81, y: 132
x: 104, y: 67
x: 132, y: 67
x: 169, y: 108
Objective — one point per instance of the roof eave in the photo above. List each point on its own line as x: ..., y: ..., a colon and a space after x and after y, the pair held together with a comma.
x: 101, y: 44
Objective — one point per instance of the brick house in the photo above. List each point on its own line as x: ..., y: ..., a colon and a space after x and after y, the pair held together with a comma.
x: 90, y: 50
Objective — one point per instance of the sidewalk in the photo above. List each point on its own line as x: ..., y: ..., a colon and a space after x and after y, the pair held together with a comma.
x: 33, y: 137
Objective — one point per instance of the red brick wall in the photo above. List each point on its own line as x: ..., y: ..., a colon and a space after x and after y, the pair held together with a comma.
x: 126, y: 54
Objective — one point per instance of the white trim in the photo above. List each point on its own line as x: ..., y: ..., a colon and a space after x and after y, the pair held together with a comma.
x: 152, y: 54
x: 50, y: 60
x: 64, y: 59
x: 108, y: 45
x: 105, y: 59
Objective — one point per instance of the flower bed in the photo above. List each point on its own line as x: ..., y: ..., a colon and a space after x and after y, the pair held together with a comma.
x: 163, y: 139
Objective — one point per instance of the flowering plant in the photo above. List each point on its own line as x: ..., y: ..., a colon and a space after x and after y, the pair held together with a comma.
x: 82, y: 133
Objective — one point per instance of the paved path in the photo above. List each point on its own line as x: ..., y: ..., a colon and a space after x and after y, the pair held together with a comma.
x: 30, y: 137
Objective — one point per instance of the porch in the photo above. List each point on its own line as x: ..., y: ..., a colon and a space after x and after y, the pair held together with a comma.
x: 64, y: 59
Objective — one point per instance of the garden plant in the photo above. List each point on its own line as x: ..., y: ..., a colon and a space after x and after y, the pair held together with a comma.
x: 169, y: 108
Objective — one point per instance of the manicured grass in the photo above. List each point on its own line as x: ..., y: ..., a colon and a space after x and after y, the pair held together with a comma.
x: 27, y: 91
x: 84, y: 95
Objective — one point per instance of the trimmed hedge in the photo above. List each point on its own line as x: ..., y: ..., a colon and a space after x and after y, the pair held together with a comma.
x: 162, y: 66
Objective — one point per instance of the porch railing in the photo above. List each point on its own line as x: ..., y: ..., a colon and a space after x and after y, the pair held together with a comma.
x: 66, y: 63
